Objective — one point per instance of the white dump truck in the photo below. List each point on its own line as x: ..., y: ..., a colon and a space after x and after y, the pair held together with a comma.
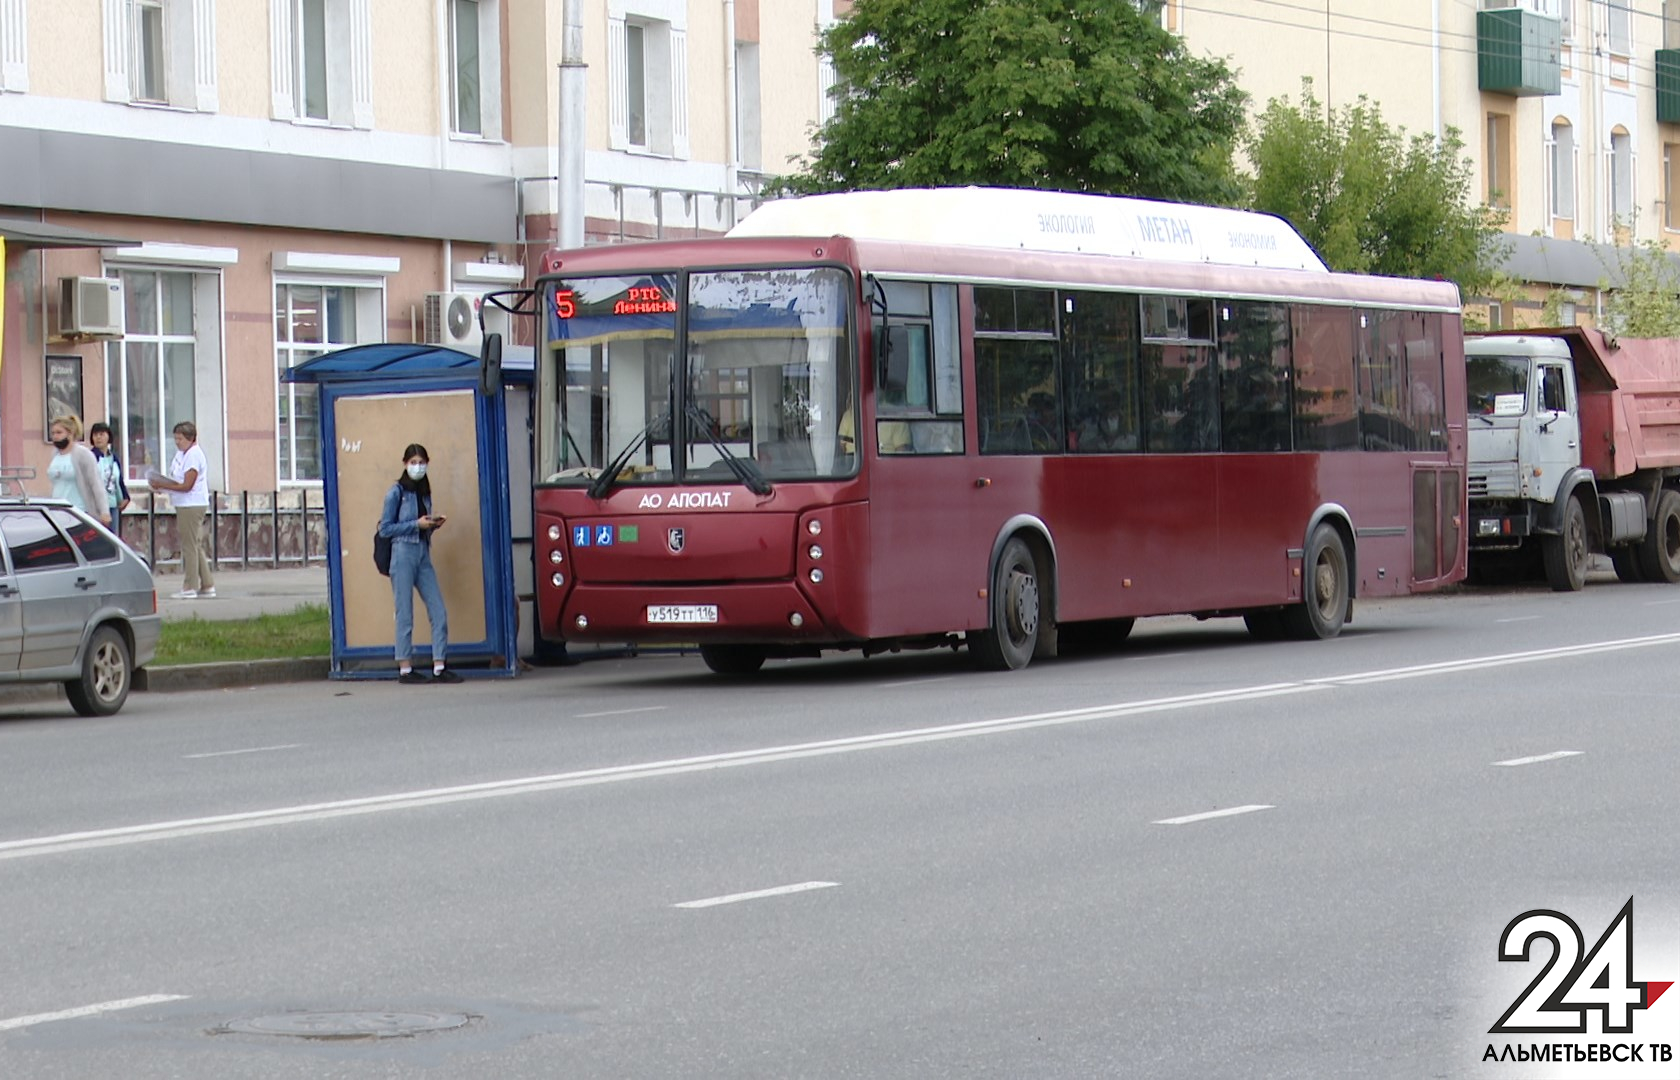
x: 1574, y: 450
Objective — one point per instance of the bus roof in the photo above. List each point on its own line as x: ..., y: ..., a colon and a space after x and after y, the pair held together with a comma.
x: 1054, y: 221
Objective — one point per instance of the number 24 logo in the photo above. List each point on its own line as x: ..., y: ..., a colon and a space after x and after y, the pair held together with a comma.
x: 1569, y: 987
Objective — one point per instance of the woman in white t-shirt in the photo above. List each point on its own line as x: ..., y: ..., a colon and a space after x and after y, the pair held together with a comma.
x: 189, y: 493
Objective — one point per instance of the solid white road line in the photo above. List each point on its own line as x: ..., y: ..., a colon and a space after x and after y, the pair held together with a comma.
x: 1538, y: 758
x: 88, y: 1010
x: 1191, y: 819
x: 252, y: 750
x: 620, y: 712
x: 526, y: 785
x: 760, y: 894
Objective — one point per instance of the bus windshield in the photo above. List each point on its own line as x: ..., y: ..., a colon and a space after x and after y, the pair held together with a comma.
x: 1497, y: 385
x: 769, y: 371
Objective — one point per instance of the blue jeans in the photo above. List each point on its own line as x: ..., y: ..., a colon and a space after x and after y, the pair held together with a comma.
x: 411, y: 568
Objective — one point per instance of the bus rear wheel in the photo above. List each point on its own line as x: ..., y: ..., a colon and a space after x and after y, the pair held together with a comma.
x: 733, y: 659
x: 1659, y: 556
x: 1327, y: 591
x: 1008, y: 643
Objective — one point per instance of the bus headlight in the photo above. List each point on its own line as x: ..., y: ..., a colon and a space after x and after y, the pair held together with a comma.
x: 554, y: 532
x: 816, y: 576
x: 816, y: 551
x: 583, y: 622
x: 558, y: 579
x: 814, y: 527
x: 555, y: 556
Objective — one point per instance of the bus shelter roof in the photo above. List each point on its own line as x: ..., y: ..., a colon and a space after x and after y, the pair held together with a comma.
x: 388, y: 360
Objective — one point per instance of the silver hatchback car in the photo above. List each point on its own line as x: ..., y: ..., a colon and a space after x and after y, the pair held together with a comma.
x: 77, y: 605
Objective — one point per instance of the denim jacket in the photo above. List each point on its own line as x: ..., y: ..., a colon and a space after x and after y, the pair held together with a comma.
x: 401, y: 516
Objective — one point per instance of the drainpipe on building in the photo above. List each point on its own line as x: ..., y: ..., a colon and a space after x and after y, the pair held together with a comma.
x: 732, y: 171
x: 568, y: 210
x: 1435, y: 61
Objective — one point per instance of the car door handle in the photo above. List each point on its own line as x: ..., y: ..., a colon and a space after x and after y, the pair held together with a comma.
x: 1571, y: 444
x: 7, y: 590
x: 85, y: 583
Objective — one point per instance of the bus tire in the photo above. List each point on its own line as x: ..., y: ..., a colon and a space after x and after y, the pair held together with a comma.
x: 1566, y: 554
x: 1008, y: 643
x: 1629, y: 567
x: 1326, y: 589
x: 1659, y: 555
x: 733, y: 659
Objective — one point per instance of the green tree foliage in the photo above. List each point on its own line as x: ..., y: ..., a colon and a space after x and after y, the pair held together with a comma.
x: 1070, y: 95
x: 1370, y: 199
x: 1646, y: 301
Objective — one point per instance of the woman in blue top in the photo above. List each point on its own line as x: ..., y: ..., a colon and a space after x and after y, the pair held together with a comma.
x: 110, y: 473
x: 408, y: 521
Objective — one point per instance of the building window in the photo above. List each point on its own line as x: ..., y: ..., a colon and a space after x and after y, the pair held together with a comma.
x: 1671, y: 24
x: 156, y: 51
x: 149, y: 379
x: 647, y: 48
x: 1498, y: 160
x: 1566, y: 19
x: 1621, y: 179
x: 310, y: 320
x: 749, y: 108
x: 147, y: 67
x: 321, y: 61
x: 1619, y: 24
x: 14, y: 39
x: 1563, y: 169
x: 468, y: 117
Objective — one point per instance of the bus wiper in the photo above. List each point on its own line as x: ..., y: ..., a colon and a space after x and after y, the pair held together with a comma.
x: 603, y: 483
x: 1484, y: 418
x: 746, y: 470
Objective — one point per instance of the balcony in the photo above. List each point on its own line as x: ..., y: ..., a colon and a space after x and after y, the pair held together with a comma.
x: 1518, y: 52
x: 1668, y: 86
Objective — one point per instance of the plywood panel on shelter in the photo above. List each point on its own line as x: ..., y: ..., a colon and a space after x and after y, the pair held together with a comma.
x: 372, y: 432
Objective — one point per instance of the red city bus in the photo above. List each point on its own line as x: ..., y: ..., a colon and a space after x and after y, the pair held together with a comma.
x: 881, y: 420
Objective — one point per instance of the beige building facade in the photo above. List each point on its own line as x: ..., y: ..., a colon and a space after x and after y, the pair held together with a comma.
x: 1567, y: 108
x: 197, y: 194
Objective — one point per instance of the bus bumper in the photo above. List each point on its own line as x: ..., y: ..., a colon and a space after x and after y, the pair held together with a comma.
x: 772, y: 612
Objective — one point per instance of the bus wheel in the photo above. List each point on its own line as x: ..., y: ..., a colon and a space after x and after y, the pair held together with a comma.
x: 1008, y: 643
x: 1324, y: 607
x: 1565, y: 555
x: 1264, y: 624
x: 732, y: 659
x: 1659, y: 556
x: 1627, y: 564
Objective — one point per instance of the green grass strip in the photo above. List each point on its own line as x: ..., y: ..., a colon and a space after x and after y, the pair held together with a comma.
x: 306, y: 631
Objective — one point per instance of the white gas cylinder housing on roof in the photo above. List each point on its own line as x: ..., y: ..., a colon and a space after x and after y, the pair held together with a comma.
x: 1042, y: 221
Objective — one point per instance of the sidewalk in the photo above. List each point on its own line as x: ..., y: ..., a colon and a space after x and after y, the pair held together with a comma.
x: 244, y: 594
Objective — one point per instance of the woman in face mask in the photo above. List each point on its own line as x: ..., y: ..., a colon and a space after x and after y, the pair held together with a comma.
x: 74, y: 472
x: 410, y: 522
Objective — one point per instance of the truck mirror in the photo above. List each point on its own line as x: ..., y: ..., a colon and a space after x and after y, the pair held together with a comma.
x: 490, y: 365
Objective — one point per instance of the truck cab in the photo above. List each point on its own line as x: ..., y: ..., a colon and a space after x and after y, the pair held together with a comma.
x: 1525, y: 433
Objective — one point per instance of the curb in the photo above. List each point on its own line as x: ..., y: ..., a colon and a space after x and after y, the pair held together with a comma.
x: 226, y: 676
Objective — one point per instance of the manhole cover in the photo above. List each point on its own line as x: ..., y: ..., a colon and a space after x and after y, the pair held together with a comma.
x: 347, y: 1025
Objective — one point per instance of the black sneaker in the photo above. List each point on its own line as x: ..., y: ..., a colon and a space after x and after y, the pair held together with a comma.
x: 445, y: 676
x: 413, y: 677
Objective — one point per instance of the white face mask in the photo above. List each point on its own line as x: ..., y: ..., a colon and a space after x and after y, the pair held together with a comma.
x: 417, y: 472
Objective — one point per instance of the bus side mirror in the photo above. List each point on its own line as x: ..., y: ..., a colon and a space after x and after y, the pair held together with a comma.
x: 490, y: 365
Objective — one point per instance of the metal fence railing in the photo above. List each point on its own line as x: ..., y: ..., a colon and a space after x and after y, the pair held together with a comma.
x: 247, y: 529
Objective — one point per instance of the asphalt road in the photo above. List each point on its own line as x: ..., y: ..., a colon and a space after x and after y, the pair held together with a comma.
x: 975, y: 874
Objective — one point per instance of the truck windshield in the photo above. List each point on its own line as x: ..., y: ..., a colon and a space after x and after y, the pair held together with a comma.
x: 1497, y: 385
x: 770, y: 369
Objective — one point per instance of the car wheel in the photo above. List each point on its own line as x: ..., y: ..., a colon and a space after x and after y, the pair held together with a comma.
x: 107, y: 675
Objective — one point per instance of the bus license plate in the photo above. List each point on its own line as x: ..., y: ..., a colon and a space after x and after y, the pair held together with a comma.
x: 682, y: 613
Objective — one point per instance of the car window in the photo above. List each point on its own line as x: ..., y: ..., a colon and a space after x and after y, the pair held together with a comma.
x: 96, y: 546
x: 33, y: 542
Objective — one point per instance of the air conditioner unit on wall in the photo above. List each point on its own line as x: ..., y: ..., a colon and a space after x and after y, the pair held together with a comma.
x: 452, y: 320
x: 90, y: 307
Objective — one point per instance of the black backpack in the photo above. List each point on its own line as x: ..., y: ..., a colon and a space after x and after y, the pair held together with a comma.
x: 381, y: 552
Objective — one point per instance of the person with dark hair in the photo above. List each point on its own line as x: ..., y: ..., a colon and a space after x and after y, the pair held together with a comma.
x: 410, y: 522
x: 188, y: 485
x: 110, y: 473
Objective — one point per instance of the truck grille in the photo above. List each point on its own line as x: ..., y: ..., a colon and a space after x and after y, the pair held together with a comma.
x: 1493, y: 481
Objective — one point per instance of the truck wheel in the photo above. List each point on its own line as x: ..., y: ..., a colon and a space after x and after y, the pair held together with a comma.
x: 1324, y: 606
x: 732, y: 659
x: 107, y: 674
x: 1627, y: 564
x: 1659, y: 555
x: 1566, y: 554
x: 1008, y: 643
